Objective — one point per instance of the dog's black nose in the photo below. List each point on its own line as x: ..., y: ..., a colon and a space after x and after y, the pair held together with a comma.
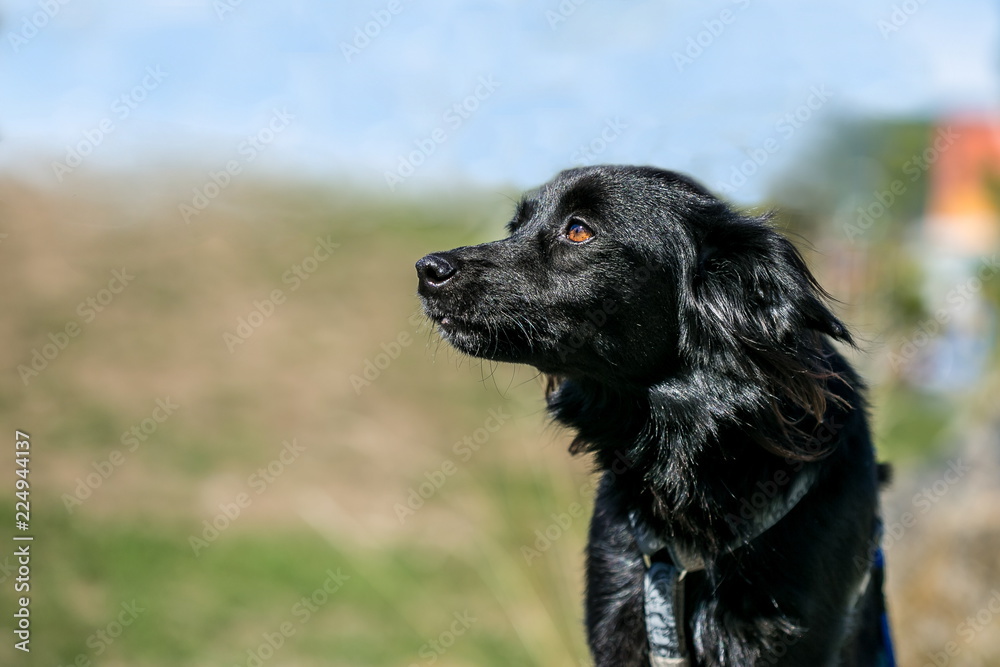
x: 435, y: 270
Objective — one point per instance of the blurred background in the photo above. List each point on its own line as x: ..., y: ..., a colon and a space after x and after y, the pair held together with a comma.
x: 247, y: 446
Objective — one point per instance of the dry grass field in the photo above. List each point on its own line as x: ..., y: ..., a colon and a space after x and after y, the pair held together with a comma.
x: 253, y: 451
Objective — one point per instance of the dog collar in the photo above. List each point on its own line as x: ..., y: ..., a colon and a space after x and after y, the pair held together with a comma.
x: 669, y: 563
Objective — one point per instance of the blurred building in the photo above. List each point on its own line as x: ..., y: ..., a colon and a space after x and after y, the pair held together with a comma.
x: 960, y: 235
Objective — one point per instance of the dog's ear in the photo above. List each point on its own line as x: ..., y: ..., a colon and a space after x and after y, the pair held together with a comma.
x: 756, y: 310
x: 751, y: 288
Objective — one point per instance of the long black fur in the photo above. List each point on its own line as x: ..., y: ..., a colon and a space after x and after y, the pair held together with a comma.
x: 691, y: 350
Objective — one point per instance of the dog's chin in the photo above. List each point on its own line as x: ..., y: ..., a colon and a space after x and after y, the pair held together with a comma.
x: 473, y: 340
x: 479, y: 339
x: 472, y: 343
x: 495, y: 342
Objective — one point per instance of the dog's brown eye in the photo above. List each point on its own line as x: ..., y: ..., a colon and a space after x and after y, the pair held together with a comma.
x: 577, y: 231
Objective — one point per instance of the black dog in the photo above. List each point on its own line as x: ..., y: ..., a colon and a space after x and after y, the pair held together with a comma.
x: 690, y: 348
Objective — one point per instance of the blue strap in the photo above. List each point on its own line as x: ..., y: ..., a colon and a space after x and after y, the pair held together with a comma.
x: 888, y: 657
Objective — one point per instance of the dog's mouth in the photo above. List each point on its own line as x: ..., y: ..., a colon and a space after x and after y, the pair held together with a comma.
x: 480, y: 337
x: 447, y: 322
x: 468, y: 336
x: 451, y: 326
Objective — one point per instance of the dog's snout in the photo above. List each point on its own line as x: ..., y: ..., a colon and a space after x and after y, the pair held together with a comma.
x: 435, y: 270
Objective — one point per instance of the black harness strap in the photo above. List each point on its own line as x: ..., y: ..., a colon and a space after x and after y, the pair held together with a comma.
x: 668, y: 565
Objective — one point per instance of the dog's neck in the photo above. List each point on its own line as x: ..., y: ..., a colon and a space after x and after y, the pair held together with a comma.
x: 689, y: 466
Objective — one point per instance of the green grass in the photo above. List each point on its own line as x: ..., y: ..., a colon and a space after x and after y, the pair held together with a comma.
x: 213, y: 607
x: 911, y: 425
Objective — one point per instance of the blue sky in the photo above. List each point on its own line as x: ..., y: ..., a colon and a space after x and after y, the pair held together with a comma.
x: 630, y: 71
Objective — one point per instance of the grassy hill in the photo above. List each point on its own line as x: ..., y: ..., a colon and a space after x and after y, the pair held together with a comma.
x: 253, y: 451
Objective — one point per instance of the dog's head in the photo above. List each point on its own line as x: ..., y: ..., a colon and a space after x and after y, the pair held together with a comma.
x: 629, y: 274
